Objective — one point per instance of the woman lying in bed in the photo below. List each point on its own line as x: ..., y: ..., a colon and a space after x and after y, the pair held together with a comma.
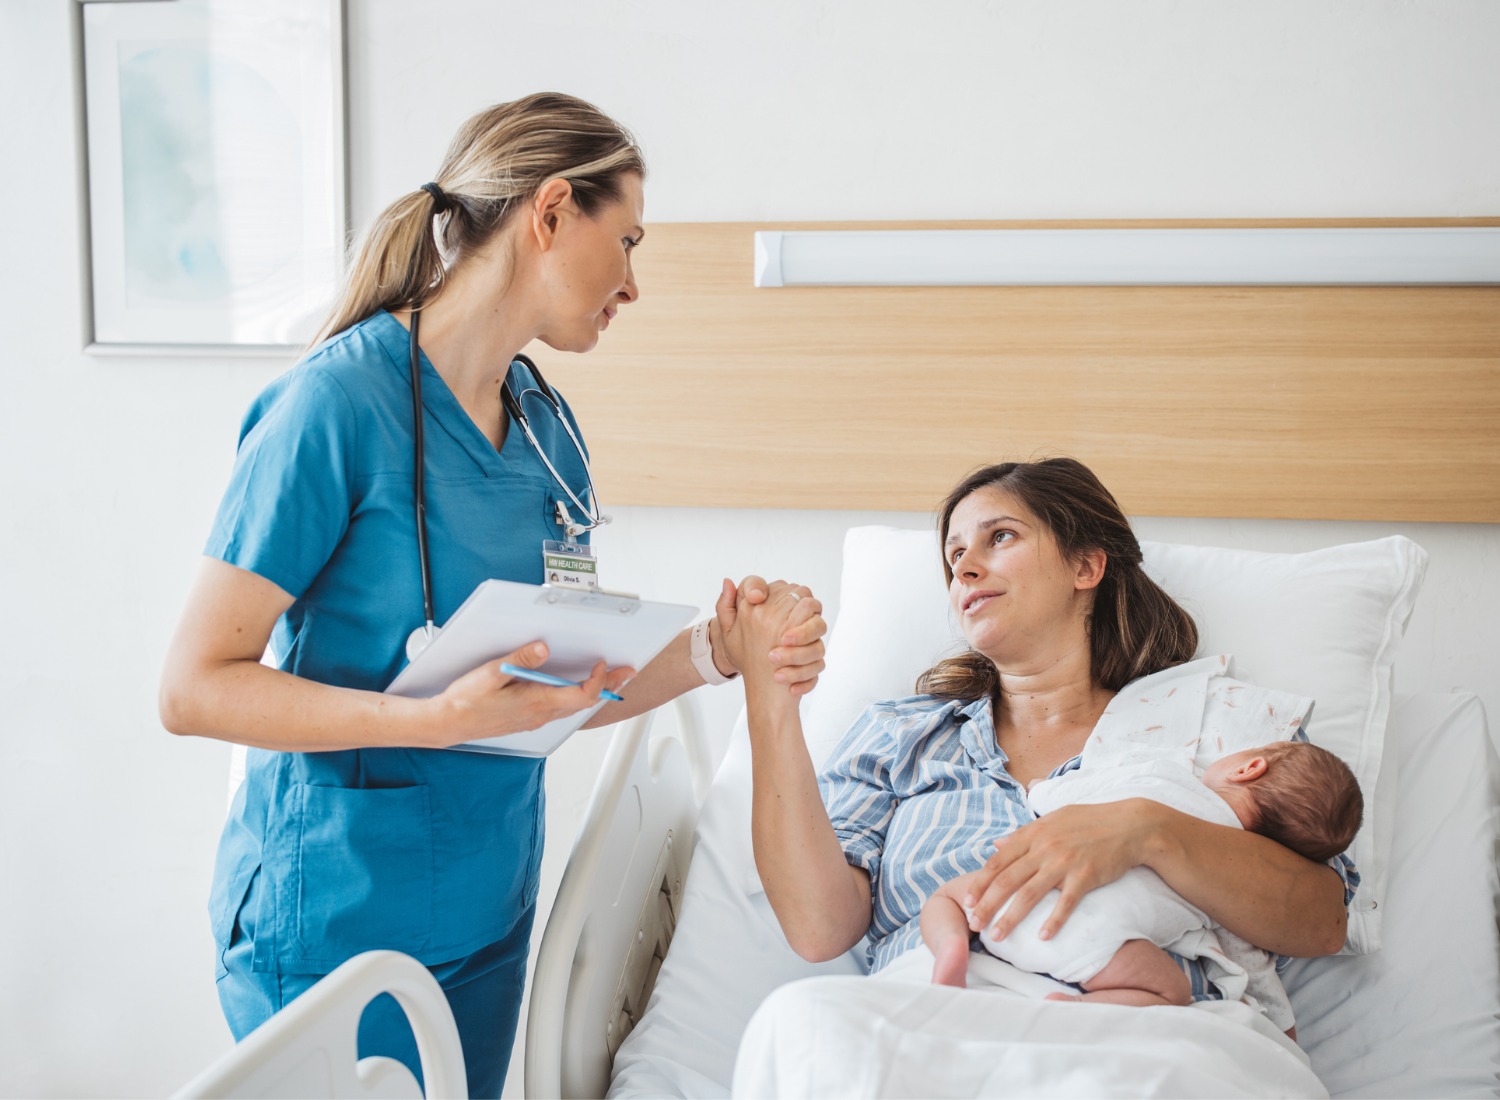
x: 1045, y: 580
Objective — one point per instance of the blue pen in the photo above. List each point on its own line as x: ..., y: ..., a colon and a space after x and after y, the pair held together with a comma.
x: 555, y: 681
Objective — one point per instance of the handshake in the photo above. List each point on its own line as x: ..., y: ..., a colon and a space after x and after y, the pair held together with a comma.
x: 772, y: 633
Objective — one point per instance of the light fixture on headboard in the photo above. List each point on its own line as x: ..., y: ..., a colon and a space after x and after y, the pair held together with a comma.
x: 1306, y: 256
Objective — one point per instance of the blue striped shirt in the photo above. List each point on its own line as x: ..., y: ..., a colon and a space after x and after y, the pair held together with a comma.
x: 917, y: 791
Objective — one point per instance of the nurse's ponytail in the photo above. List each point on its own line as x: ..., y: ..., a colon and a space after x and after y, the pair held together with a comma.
x: 1135, y: 627
x: 496, y: 163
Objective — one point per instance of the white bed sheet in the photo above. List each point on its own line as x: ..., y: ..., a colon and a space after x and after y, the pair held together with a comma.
x: 1419, y: 1018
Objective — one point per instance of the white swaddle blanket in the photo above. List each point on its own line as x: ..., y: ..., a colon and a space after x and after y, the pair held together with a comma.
x: 1153, y: 741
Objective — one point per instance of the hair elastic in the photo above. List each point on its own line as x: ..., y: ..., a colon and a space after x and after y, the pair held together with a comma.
x: 439, y: 199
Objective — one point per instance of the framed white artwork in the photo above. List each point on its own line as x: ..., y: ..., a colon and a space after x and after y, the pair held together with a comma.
x: 216, y: 198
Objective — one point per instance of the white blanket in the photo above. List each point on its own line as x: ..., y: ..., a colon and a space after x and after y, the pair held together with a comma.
x: 897, y: 1035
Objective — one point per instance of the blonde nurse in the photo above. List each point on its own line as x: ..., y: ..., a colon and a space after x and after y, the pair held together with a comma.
x: 351, y: 831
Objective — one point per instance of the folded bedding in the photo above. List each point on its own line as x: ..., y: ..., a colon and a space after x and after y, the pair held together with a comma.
x: 897, y: 1035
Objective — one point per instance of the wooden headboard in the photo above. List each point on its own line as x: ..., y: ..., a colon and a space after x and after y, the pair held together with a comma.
x: 1374, y: 403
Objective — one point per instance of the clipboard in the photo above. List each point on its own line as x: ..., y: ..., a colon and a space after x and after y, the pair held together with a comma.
x: 579, y: 625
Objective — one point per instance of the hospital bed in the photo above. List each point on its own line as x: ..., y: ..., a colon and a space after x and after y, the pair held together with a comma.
x: 661, y: 947
x: 646, y: 982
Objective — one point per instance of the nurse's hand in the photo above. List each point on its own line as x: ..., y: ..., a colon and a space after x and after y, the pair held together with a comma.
x: 770, y: 632
x: 488, y: 703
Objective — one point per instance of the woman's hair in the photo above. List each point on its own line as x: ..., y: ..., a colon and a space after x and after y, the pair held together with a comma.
x: 1308, y: 800
x: 1135, y: 628
x: 496, y: 163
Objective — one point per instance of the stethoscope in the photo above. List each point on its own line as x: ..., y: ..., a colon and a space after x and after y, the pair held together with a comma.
x: 420, y: 637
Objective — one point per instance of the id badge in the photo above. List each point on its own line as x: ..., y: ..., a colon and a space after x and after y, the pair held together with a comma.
x: 569, y: 565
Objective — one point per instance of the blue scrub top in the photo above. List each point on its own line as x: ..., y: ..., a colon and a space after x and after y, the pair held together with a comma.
x: 430, y: 852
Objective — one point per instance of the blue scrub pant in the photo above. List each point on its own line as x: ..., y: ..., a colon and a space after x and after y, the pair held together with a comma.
x: 484, y: 990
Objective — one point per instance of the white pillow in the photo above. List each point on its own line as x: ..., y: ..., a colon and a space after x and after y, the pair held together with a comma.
x: 893, y: 624
x: 1325, y: 624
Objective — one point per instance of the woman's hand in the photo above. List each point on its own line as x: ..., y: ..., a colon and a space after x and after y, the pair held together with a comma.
x: 488, y: 703
x: 1073, y: 850
x: 772, y: 633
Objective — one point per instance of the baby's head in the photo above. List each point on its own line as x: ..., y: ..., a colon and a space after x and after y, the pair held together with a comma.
x: 1299, y: 795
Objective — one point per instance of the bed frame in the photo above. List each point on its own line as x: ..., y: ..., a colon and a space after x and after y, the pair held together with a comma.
x: 310, y: 1048
x: 617, y: 905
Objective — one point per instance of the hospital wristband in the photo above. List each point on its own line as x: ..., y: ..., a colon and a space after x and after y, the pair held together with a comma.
x: 700, y: 649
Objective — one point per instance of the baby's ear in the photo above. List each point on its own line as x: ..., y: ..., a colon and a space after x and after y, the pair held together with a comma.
x: 1249, y: 771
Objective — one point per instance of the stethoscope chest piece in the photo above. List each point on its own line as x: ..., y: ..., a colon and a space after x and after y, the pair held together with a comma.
x: 419, y: 639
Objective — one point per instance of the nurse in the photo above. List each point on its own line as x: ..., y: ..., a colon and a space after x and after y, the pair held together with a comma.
x: 351, y: 831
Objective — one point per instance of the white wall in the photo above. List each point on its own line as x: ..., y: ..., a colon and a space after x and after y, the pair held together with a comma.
x: 110, y: 469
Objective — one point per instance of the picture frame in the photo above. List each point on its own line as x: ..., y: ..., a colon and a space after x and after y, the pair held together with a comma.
x: 214, y: 188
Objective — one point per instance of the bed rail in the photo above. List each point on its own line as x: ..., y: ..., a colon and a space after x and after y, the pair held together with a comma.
x: 620, y: 897
x: 310, y: 1047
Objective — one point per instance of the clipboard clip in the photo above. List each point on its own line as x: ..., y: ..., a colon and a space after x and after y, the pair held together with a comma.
x: 590, y: 599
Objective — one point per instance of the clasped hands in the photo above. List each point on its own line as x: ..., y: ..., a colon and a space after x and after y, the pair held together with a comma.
x: 771, y: 632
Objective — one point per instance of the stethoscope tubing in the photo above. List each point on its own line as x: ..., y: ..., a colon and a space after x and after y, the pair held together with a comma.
x: 419, y: 479
x: 512, y: 405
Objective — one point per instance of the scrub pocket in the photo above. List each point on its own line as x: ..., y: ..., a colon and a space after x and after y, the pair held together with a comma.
x: 538, y: 833
x: 227, y: 916
x: 363, y: 876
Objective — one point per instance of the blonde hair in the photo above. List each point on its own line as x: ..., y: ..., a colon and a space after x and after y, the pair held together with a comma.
x: 495, y: 164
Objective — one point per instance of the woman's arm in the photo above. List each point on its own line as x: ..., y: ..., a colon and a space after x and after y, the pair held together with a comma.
x: 214, y: 685
x: 822, y: 903
x: 1257, y: 889
x: 1252, y: 886
x: 797, y: 655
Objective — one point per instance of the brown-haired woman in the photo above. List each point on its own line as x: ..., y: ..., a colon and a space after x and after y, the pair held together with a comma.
x: 1045, y: 578
x: 348, y: 833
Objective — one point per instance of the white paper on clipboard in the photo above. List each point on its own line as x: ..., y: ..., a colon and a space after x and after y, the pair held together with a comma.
x: 580, y: 626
